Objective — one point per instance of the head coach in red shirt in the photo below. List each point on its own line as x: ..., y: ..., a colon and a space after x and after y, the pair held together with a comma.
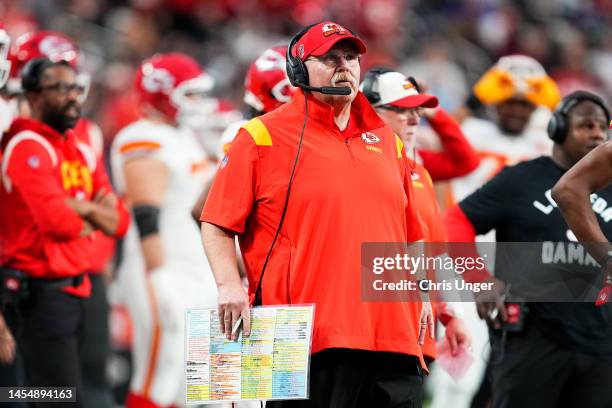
x: 303, y: 187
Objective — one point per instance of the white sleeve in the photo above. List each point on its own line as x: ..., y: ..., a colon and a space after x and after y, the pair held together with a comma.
x: 141, y: 139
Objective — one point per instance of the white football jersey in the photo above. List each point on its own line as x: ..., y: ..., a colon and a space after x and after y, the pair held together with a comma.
x: 497, y: 150
x: 227, y: 137
x: 189, y: 169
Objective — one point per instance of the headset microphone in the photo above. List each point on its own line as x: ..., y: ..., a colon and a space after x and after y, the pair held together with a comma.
x: 327, y: 90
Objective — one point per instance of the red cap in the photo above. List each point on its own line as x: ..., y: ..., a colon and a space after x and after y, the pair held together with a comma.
x: 321, y: 38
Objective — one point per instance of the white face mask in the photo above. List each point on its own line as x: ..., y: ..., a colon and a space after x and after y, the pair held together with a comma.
x: 194, y: 105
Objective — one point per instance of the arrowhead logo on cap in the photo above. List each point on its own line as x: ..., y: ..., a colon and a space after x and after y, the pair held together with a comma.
x: 332, y: 28
x: 408, y: 85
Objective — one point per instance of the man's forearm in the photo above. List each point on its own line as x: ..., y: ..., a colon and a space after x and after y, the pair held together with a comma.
x: 104, y: 218
x: 575, y: 205
x: 221, y: 253
x: 99, y: 216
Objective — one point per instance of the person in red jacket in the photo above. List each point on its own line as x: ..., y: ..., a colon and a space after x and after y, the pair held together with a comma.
x: 303, y: 187
x: 95, y: 339
x: 55, y: 198
x: 400, y: 104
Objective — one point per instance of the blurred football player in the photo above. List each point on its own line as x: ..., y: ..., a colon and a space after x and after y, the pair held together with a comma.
x: 160, y: 168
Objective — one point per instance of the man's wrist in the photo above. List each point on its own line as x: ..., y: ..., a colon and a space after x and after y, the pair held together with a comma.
x: 230, y: 281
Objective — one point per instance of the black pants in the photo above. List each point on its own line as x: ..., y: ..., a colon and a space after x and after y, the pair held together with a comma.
x: 94, y: 345
x: 535, y: 372
x: 341, y: 378
x: 47, y: 337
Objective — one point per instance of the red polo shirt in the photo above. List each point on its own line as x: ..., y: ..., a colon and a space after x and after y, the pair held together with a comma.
x: 349, y: 188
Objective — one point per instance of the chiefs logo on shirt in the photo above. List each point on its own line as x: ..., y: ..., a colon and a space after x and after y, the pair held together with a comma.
x: 370, y: 138
x: 331, y: 28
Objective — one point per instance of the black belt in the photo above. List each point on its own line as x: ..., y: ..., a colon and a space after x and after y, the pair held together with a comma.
x: 14, y: 280
x: 57, y: 283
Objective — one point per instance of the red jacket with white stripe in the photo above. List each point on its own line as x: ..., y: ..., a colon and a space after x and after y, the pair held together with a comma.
x: 39, y: 232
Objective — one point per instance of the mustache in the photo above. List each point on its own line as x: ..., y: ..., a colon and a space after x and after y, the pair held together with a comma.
x: 71, y: 105
x: 342, y: 77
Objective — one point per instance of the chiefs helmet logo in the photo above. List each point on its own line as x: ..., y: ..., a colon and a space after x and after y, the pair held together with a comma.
x: 272, y: 59
x: 157, y: 80
x: 332, y: 28
x: 57, y: 48
x: 370, y: 138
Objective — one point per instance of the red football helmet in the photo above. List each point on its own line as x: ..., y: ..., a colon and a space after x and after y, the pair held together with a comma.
x: 175, y: 85
x: 5, y: 64
x: 266, y: 85
x: 53, y: 45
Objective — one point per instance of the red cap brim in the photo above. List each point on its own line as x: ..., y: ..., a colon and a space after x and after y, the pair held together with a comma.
x: 333, y: 40
x: 416, y: 101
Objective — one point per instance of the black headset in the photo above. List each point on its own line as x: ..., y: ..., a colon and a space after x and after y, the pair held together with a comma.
x: 296, y: 69
x: 558, y: 126
x: 370, y: 82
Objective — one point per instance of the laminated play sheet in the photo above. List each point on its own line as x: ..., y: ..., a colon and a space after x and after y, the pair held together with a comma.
x: 271, y: 364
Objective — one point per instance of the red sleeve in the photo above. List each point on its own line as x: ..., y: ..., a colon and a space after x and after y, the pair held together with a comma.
x: 457, y: 157
x: 33, y: 175
x: 101, y: 181
x: 414, y: 222
x: 462, y: 238
x: 234, y: 191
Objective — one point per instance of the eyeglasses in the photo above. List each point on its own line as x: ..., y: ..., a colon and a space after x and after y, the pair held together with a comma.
x: 399, y: 110
x: 333, y: 59
x: 64, y: 88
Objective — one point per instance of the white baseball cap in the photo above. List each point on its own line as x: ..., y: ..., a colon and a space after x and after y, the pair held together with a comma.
x: 396, y: 90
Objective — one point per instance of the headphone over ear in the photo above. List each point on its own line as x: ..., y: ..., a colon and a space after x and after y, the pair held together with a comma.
x: 558, y: 126
x: 296, y: 69
x: 371, y: 80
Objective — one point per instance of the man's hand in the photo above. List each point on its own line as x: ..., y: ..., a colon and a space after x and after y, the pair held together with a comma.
x: 82, y: 207
x: 606, y: 292
x: 233, y: 303
x: 491, y: 306
x: 106, y: 199
x: 426, y: 323
x: 7, y: 343
x: 457, y: 334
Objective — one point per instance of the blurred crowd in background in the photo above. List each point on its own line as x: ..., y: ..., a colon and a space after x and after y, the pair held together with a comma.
x: 447, y: 44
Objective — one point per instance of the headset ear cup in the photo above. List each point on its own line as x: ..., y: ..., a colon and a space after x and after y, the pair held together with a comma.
x: 295, y: 67
x: 301, y: 73
x: 368, y: 87
x: 556, y: 128
x: 414, y: 83
x: 552, y: 127
x: 296, y: 71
